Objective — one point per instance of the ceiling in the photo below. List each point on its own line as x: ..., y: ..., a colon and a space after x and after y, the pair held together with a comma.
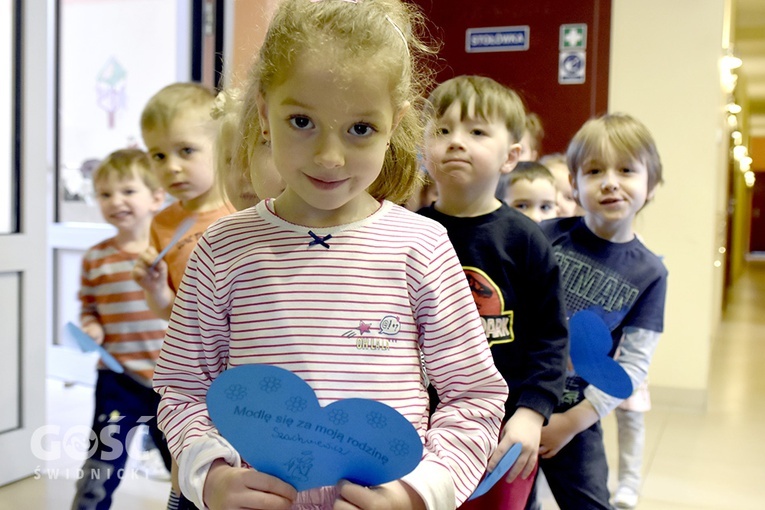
x: 749, y: 45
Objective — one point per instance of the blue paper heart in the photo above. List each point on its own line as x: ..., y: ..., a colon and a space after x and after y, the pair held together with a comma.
x: 504, y: 465
x: 273, y: 419
x: 590, y: 344
x: 87, y: 344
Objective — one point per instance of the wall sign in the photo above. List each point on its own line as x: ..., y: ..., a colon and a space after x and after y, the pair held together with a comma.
x: 480, y: 40
x: 572, y: 58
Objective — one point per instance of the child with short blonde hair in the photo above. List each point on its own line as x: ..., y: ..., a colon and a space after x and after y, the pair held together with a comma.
x: 337, y: 95
x: 615, y: 169
x: 531, y: 190
x: 179, y: 133
x: 114, y: 313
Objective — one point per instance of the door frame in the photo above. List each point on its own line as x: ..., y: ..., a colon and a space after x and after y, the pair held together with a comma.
x: 25, y: 253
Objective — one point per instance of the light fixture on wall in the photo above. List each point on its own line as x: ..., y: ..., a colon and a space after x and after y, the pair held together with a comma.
x: 739, y: 152
x: 749, y: 179
x: 731, y: 61
x: 728, y: 63
x: 728, y: 80
x: 733, y: 108
x: 738, y: 138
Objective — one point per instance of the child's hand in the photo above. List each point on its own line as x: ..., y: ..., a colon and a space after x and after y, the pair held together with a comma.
x: 524, y: 427
x: 152, y: 280
x: 390, y: 496
x: 562, y: 428
x: 231, y: 487
x: 95, y: 331
x: 558, y: 432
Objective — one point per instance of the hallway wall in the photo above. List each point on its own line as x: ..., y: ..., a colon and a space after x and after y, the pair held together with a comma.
x: 664, y: 71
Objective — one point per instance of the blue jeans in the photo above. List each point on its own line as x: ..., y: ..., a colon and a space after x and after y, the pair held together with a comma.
x: 116, y: 396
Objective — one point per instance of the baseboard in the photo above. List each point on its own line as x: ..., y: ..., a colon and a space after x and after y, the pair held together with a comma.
x: 679, y: 399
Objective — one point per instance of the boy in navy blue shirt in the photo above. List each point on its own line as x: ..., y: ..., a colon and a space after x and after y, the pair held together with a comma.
x: 605, y: 269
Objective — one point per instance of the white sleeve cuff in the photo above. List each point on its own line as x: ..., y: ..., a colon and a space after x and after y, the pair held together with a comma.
x: 433, y: 482
x: 635, y: 353
x: 195, y: 460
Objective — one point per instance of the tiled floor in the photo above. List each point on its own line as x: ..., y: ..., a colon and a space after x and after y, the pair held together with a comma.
x: 716, y: 460
x: 708, y: 461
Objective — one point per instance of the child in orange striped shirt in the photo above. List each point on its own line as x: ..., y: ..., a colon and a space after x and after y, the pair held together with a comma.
x: 115, y: 314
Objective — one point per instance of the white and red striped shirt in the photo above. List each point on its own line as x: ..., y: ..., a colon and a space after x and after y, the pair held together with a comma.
x: 133, y: 334
x: 258, y: 289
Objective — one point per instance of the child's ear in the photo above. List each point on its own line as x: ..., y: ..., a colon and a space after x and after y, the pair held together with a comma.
x: 650, y: 195
x: 263, y: 117
x: 513, y: 153
x: 574, y: 189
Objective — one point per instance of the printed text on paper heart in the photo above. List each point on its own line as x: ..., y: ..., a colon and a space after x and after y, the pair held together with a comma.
x: 321, y: 429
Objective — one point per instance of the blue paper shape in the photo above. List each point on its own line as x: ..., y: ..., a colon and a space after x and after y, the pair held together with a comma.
x: 87, y: 344
x: 273, y: 419
x: 504, y: 465
x: 182, y: 229
x: 590, y: 345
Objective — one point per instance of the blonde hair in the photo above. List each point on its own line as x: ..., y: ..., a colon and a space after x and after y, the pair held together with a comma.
x: 125, y: 164
x: 248, y: 133
x: 389, y: 31
x: 226, y: 111
x: 174, y: 100
x: 627, y: 136
x: 490, y: 99
x: 552, y: 159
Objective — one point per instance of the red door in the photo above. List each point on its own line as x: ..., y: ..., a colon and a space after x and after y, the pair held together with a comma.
x: 757, y: 235
x: 533, y: 72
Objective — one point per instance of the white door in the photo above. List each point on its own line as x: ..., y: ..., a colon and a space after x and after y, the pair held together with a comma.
x: 25, y: 201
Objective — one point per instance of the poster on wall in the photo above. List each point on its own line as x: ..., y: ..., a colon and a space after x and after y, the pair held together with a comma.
x: 114, y: 55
